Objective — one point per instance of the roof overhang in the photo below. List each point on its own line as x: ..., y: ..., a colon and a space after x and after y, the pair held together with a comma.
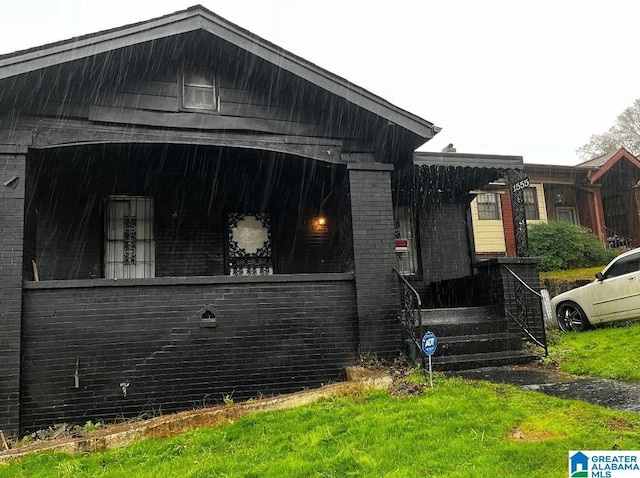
x: 459, y: 174
x: 199, y: 18
x: 491, y: 161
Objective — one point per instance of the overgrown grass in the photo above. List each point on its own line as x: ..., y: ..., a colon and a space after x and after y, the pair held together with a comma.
x: 457, y: 429
x: 610, y: 352
x: 572, y: 275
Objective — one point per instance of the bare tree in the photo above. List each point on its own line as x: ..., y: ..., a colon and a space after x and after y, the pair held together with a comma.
x: 625, y: 133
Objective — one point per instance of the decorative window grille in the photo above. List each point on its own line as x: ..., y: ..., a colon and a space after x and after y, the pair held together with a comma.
x: 406, y: 251
x: 199, y: 90
x: 130, y: 247
x: 488, y: 206
x: 531, y: 210
x: 250, y: 251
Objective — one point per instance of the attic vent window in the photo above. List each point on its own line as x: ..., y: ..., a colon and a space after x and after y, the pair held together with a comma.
x: 199, y: 90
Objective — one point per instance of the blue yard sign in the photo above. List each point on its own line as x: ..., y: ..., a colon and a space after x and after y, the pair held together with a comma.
x: 429, y: 346
x: 429, y: 343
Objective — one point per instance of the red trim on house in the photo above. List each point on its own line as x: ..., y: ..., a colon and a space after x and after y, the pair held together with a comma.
x: 596, y: 212
x: 620, y: 154
x: 507, y: 224
x: 635, y: 229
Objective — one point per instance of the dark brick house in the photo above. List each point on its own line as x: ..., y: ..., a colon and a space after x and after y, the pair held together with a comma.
x: 190, y: 212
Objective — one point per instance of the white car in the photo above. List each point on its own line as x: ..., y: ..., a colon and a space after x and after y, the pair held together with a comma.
x: 613, y: 296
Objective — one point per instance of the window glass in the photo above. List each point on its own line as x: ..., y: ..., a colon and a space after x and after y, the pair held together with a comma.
x: 531, y: 203
x: 625, y: 266
x: 198, y: 90
x: 488, y: 206
x: 567, y: 214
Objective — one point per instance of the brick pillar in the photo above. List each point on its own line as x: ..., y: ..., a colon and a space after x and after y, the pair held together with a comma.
x: 377, y: 294
x: 12, y: 182
x: 507, y: 224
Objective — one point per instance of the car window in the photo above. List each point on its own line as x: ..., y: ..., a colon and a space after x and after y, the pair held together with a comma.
x: 624, y: 266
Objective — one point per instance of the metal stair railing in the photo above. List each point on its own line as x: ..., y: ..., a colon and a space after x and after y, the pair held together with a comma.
x: 524, y: 315
x: 410, y: 314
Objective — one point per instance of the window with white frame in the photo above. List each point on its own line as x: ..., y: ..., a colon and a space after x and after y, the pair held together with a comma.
x: 488, y: 206
x: 567, y: 214
x: 130, y: 247
x: 199, y: 90
x: 531, y: 209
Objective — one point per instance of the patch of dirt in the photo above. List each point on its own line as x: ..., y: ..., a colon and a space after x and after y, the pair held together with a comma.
x: 619, y: 424
x: 119, y: 435
x: 532, y: 436
x: 402, y: 385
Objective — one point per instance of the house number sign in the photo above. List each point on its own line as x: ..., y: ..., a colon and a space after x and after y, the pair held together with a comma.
x: 524, y: 183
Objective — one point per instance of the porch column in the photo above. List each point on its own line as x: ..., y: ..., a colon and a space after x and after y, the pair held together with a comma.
x: 378, y: 300
x: 12, y: 194
x: 596, y: 212
x: 635, y: 223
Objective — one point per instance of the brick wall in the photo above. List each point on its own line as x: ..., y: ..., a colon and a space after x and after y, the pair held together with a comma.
x: 274, y: 335
x: 507, y: 224
x: 444, y: 240
x: 374, y: 259
x: 12, y: 165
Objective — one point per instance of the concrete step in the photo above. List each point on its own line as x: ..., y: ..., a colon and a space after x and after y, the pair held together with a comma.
x: 463, y: 321
x: 480, y: 343
x: 457, y: 314
x: 472, y: 337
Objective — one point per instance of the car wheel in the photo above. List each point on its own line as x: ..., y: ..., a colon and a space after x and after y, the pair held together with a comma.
x: 571, y: 318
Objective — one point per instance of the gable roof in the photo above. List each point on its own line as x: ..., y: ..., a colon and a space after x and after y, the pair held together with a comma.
x: 199, y: 18
x: 605, y: 162
x: 597, y: 161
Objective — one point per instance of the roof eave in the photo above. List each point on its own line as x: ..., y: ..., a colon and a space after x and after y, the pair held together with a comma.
x: 492, y: 161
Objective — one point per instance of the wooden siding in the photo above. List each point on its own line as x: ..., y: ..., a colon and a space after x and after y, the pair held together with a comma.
x: 542, y: 205
x: 153, y: 102
x: 488, y: 235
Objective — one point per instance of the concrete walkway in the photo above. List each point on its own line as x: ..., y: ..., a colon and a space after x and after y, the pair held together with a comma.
x: 608, y: 393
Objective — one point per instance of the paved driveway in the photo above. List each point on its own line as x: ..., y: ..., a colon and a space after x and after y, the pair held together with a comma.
x: 608, y: 393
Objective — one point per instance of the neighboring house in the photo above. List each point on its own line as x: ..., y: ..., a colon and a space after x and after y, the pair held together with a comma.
x: 190, y: 212
x: 493, y: 220
x: 602, y: 194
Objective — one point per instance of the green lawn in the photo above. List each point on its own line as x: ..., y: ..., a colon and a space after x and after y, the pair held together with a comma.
x: 572, y: 274
x: 611, y: 352
x: 458, y: 429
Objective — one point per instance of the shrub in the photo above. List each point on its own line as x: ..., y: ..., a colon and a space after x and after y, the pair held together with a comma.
x: 562, y: 245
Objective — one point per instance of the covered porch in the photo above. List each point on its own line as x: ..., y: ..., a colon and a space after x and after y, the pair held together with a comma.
x: 481, y: 310
x: 165, y: 276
